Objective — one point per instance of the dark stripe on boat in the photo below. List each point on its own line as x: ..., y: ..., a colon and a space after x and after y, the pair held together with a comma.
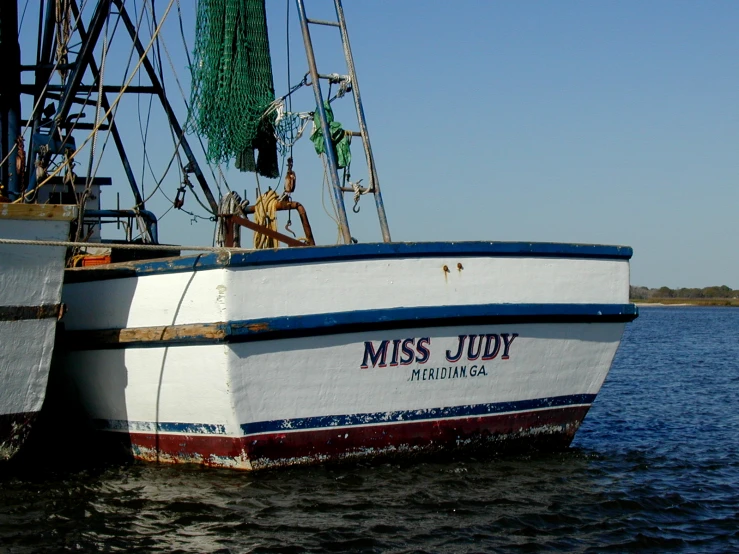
x: 402, y: 416
x: 159, y: 427
x: 347, y: 322
x: 374, y: 251
x: 19, y: 313
x: 550, y: 429
x: 350, y: 420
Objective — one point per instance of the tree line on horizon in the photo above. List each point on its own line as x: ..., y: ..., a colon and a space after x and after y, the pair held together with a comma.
x: 645, y: 293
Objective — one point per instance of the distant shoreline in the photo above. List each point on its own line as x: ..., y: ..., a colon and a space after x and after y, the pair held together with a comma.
x: 683, y: 302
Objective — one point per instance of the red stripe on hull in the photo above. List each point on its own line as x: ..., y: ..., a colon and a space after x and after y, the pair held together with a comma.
x: 549, y: 429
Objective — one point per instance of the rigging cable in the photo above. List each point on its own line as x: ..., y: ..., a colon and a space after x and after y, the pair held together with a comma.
x: 187, y: 106
x: 41, y: 96
x: 289, y: 80
x: 115, y: 103
x: 125, y: 71
x: 183, y: 177
x: 39, y: 166
x: 326, y: 186
x: 144, y: 132
x: 158, y: 60
x: 20, y: 25
x: 189, y: 64
x: 82, y: 201
x: 160, y: 42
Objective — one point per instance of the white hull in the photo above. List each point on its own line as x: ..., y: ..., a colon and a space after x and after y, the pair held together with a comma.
x: 30, y: 295
x: 249, y: 364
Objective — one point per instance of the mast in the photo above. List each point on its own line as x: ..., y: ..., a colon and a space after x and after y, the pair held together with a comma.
x: 43, y: 72
x: 10, y: 97
x: 374, y: 181
x: 337, y: 189
x: 330, y: 154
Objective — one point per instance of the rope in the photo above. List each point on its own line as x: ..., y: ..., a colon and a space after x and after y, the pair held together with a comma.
x: 289, y: 80
x: 358, y: 192
x: 20, y: 25
x: 98, y: 108
x: 157, y: 247
x: 265, y: 214
x: 125, y: 72
x: 229, y: 204
x: 345, y: 85
x: 63, y: 34
x: 326, y: 185
x: 143, y: 230
x: 189, y: 64
x: 158, y: 61
x: 184, y: 97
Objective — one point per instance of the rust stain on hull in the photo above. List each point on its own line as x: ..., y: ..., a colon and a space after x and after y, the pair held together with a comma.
x: 258, y: 327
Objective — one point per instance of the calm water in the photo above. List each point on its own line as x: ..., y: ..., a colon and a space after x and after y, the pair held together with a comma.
x: 655, y: 467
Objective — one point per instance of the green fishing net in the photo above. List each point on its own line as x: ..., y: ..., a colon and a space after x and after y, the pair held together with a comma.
x: 232, y: 84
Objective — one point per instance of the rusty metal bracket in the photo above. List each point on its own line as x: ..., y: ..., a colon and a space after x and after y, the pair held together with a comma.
x: 283, y: 205
x: 232, y: 220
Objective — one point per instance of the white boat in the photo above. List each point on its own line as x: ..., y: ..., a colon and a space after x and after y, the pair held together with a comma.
x: 30, y: 305
x: 274, y: 357
x: 382, y: 348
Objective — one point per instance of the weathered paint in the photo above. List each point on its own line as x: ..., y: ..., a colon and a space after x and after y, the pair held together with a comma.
x: 396, y: 318
x: 30, y: 294
x: 339, y: 253
x: 37, y: 212
x: 291, y: 400
x: 297, y: 358
x: 146, y: 336
x: 532, y: 430
x: 310, y: 289
x: 18, y: 313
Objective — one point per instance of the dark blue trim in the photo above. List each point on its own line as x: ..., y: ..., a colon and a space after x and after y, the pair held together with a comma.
x: 159, y: 427
x: 323, y: 422
x: 315, y: 254
x: 426, y: 316
x: 363, y: 320
x: 402, y: 416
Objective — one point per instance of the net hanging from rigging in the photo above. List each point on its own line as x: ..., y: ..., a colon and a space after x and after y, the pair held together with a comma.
x: 232, y: 85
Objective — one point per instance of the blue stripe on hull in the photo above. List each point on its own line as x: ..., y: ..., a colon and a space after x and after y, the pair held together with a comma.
x: 350, y: 420
x: 428, y: 316
x: 401, y: 416
x: 350, y: 322
x: 159, y: 427
x: 316, y: 254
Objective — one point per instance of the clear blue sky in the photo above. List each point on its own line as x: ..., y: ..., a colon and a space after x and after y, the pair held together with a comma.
x: 592, y: 122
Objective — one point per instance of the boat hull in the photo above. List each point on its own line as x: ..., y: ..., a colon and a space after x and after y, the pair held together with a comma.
x: 30, y: 294
x: 415, y: 374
